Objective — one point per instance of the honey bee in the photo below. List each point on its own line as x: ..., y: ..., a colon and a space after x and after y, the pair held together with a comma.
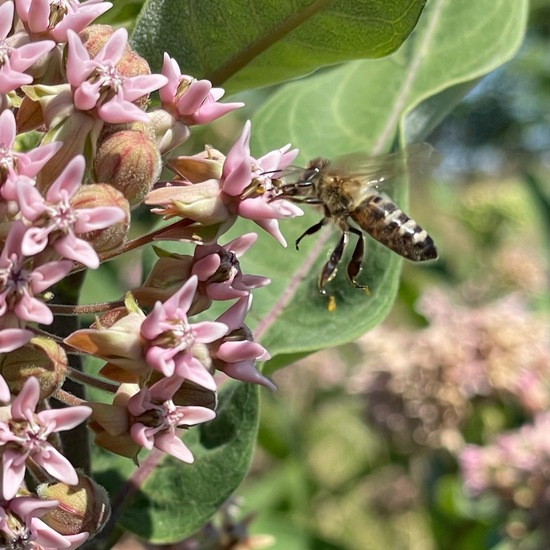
x: 348, y: 187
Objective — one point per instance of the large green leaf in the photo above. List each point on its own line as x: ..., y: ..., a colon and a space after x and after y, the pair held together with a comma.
x: 360, y: 107
x: 249, y: 44
x: 178, y: 498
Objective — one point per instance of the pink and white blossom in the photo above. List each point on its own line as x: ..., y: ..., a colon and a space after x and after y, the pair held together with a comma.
x: 16, y: 58
x: 189, y: 100
x: 56, y: 222
x: 169, y: 337
x: 236, y: 353
x: 53, y: 18
x: 158, y: 420
x: 98, y: 85
x: 20, y: 281
x: 246, y: 188
x: 14, y: 163
x: 24, y: 435
x: 20, y: 526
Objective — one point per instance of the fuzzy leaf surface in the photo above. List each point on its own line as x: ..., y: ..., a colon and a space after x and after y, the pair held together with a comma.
x: 248, y: 45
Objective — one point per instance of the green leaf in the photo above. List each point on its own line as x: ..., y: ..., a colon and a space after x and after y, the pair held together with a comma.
x: 246, y: 45
x: 362, y: 106
x: 177, y: 499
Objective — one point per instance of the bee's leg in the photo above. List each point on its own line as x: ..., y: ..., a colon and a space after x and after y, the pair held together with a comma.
x: 354, y: 266
x: 329, y: 269
x: 310, y: 231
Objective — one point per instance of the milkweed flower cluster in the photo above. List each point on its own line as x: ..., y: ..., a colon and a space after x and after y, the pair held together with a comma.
x: 420, y: 384
x: 516, y: 468
x: 65, y: 206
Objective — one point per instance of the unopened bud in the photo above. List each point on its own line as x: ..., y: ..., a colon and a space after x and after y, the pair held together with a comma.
x: 82, y: 508
x: 42, y: 359
x: 130, y: 162
x: 101, y: 194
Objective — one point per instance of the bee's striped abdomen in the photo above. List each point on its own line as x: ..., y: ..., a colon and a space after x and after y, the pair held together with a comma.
x: 385, y: 222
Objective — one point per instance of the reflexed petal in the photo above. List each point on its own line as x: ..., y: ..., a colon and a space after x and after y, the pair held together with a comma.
x: 23, y: 57
x: 13, y: 472
x: 29, y: 199
x: 77, y: 65
x: 38, y: 16
x: 233, y: 352
x: 114, y: 48
x: 31, y: 162
x: 56, y: 464
x: 6, y: 19
x: 246, y: 372
x: 7, y: 128
x: 33, y: 310
x: 35, y: 240
x: 119, y: 111
x: 64, y: 419
x: 164, y: 389
x: 196, y: 415
x: 87, y: 95
x: 208, y: 331
x: 138, y: 86
x: 272, y: 227
x: 100, y: 217
x: 13, y: 338
x: 140, y: 434
x: 238, y: 179
x: 160, y: 359
x: 48, y: 274
x: 24, y: 404
x: 181, y: 300
x: 239, y: 151
x: 193, y: 370
x: 172, y: 445
x: 76, y: 249
x: 68, y: 181
x: 49, y: 539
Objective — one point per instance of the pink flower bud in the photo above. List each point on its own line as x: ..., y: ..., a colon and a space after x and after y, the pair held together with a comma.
x: 82, y: 508
x: 42, y: 359
x: 130, y: 162
x: 97, y: 195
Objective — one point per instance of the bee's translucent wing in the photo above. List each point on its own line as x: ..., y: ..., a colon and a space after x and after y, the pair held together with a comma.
x: 418, y: 158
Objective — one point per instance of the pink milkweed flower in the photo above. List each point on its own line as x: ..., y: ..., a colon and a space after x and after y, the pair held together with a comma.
x: 169, y: 337
x: 219, y: 272
x: 53, y: 18
x: 249, y: 182
x: 15, y: 58
x: 24, y: 435
x: 56, y: 222
x: 246, y: 187
x: 20, y: 526
x: 189, y: 100
x: 20, y: 280
x: 98, y: 85
x: 157, y: 420
x: 14, y: 163
x: 236, y: 353
x: 217, y: 268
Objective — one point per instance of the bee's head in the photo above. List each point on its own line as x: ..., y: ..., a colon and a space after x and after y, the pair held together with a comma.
x: 312, y: 169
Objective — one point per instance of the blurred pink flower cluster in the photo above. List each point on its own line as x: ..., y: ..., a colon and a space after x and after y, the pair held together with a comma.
x: 65, y: 206
x: 419, y: 385
x: 516, y: 467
